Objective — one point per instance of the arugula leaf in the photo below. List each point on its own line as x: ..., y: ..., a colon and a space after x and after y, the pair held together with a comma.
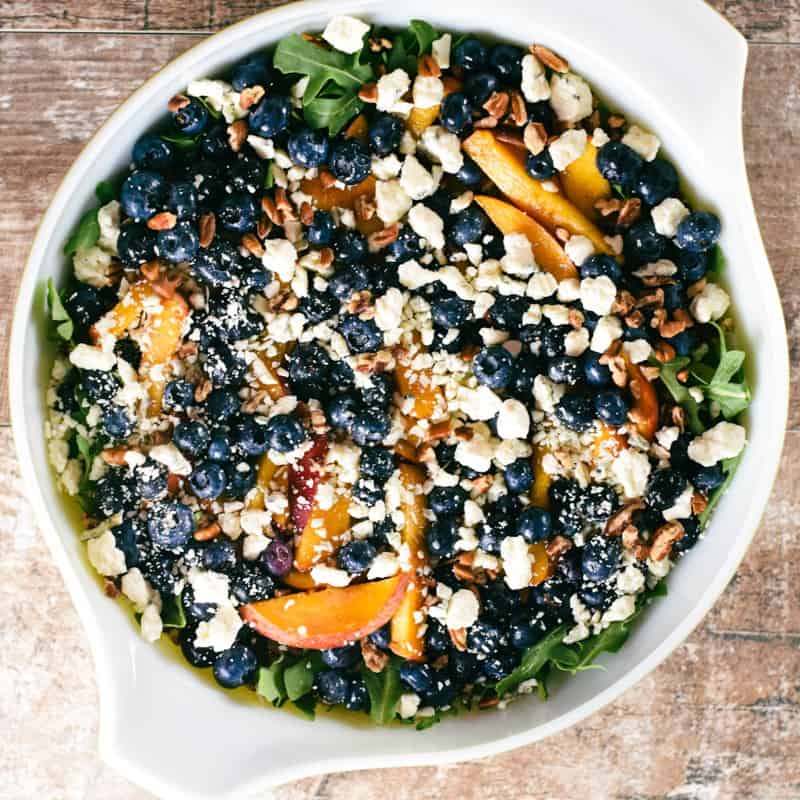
x: 534, y: 658
x: 307, y: 705
x: 669, y: 376
x: 299, y: 678
x: 429, y: 722
x: 384, y: 691
x: 424, y: 33
x: 85, y: 234
x: 63, y: 324
x: 729, y: 467
x: 270, y: 683
x: 399, y: 56
x: 212, y: 112
x: 105, y: 192
x: 333, y: 112
x: 294, y: 55
x: 181, y: 140
x: 729, y: 364
x: 172, y: 613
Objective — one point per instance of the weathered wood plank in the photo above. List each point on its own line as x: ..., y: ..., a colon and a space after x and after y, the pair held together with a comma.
x: 720, y: 718
x: 46, y: 122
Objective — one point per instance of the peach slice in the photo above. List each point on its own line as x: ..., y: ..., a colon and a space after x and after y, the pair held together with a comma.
x: 419, y: 385
x: 326, y: 199
x: 541, y: 480
x: 329, y: 617
x: 273, y: 382
x: 549, y: 254
x: 271, y: 478
x: 406, y: 640
x: 358, y: 129
x: 299, y: 580
x: 422, y: 118
x: 608, y: 441
x: 644, y: 412
x: 584, y: 185
x: 322, y: 534
x: 506, y: 168
x: 542, y: 566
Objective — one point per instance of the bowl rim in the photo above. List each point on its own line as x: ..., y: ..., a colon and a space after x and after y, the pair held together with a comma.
x: 26, y: 291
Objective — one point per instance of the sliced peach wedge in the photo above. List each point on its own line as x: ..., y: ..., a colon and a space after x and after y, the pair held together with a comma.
x: 542, y: 566
x: 541, y: 480
x: 644, y: 411
x: 271, y: 478
x: 547, y: 252
x: 406, y: 640
x: 319, y: 620
x: 271, y: 380
x: 326, y: 199
x: 506, y: 168
x: 584, y: 185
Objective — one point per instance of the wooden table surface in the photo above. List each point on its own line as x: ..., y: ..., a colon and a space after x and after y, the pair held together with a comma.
x: 719, y: 719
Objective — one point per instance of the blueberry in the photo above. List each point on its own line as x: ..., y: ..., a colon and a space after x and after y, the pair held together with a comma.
x: 479, y: 87
x: 178, y: 244
x: 99, y: 387
x: 657, y: 181
x: 307, y: 147
x: 332, y: 687
x: 519, y: 476
x: 418, y: 677
x: 441, y: 537
x: 214, y: 265
x: 437, y: 639
x: 285, y: 432
x: 192, y: 118
x: 381, y: 637
x: 463, y: 667
x: 367, y: 492
x: 643, y: 244
x: 116, y: 422
x: 135, y: 245
x: 505, y: 61
x: 357, y: 698
x: 664, y: 488
x: 222, y: 404
x: 470, y: 54
x: 309, y: 367
x: 526, y: 368
x: 361, y: 335
x: 611, y: 407
x: 238, y: 212
x: 523, y: 632
x: 170, y: 524
x: 347, y: 280
x: 153, y: 152
x: 706, y: 479
x: 599, y: 502
x: 250, y: 437
x: 468, y: 225
x: 597, y: 596
x: 385, y: 134
x: 355, y: 557
x: 341, y: 657
x: 254, y: 70
x: 219, y: 555
x: 595, y: 266
x: 143, y: 194
x: 191, y: 437
x: 316, y: 307
x: 507, y: 311
x: 370, y: 426
x: 320, y: 232
x: 691, y: 266
x: 271, y: 116
x: 456, y: 112
x: 249, y: 583
x: 542, y: 112
x: 698, y: 232
x: 349, y: 246
x: 470, y: 173
x: 214, y: 143
x: 619, y: 163
x: 601, y: 557
x: 535, y: 524
x: 493, y: 366
x: 447, y: 501
x: 684, y: 342
x: 576, y: 412
x: 540, y: 166
x: 341, y: 410
x: 565, y: 369
x: 552, y: 341
x: 405, y: 247
x: 484, y: 638
x: 208, y: 480
x: 448, y: 310
x: 86, y: 305
x: 151, y: 479
x: 378, y: 463
x: 495, y: 668
x: 235, y: 666
x: 349, y: 161
x: 246, y: 173
x: 379, y: 391
x: 240, y: 481
x: 674, y: 297
x: 691, y: 533
x: 196, y: 656
x: 126, y: 535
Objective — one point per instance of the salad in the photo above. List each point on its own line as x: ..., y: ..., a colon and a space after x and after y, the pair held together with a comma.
x: 395, y: 373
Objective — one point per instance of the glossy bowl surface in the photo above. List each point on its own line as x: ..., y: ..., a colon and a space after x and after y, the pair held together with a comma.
x: 673, y: 65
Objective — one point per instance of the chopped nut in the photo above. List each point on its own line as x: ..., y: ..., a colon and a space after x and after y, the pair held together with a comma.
x: 151, y: 270
x: 428, y: 67
x: 207, y: 227
x: 203, y: 390
x: 165, y: 287
x: 616, y: 121
x: 664, y: 538
x: 364, y: 207
x: 368, y: 93
x: 563, y: 235
x: 518, y: 114
x: 497, y: 104
x: 464, y: 434
x: 178, y: 102
x: 549, y: 58
x: 695, y: 289
x: 269, y: 208
x: 207, y: 532
x: 110, y: 588
x: 630, y: 537
x: 616, y: 523
x: 699, y: 503
x: 630, y: 211
x: 458, y: 636
x: 679, y: 417
x: 535, y: 137
x: 307, y: 214
x: 680, y: 322
x: 250, y: 96
x: 635, y: 319
x: 325, y: 257
x: 654, y: 299
x: 237, y: 134
x: 252, y: 245
x: 283, y: 205
x: 163, y: 221
x: 557, y: 546
x: 251, y: 406
x: 623, y: 303
x: 510, y: 137
x: 664, y: 352
x: 187, y: 350
x: 327, y: 179
x: 576, y: 319
x: 438, y: 430
x: 406, y: 450
x: 263, y: 227
x: 115, y: 456
x: 485, y: 122
x: 650, y: 373
x: 381, y: 239
x: 377, y: 44
x: 375, y: 659
x: 482, y: 484
x: 609, y: 206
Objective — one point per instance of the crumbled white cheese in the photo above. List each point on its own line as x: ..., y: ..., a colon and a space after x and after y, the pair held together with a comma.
x: 444, y: 147
x: 666, y: 437
x: 480, y: 403
x: 440, y: 49
x: 408, y: 704
x: 534, y: 85
x: 541, y: 285
x: 330, y: 576
x: 630, y: 580
x: 663, y: 268
x: 547, y: 394
x: 516, y: 562
x: 171, y: 458
x: 568, y: 148
x: 576, y: 342
x: 475, y: 454
x: 219, y: 633
x: 428, y: 224
x: 513, y: 420
x: 724, y: 440
x: 682, y: 507
x: 600, y: 138
x: 105, y: 556
x: 280, y: 257
x: 136, y: 589
x: 518, y: 259
x: 578, y: 248
x: 644, y: 143
x: 607, y: 330
x: 710, y: 304
x: 569, y: 290
x: 385, y: 169
x: 345, y: 33
x: 416, y: 180
x: 392, y: 201
x: 208, y: 586
x: 151, y: 625
x: 570, y: 97
x: 427, y: 91
x: 263, y: 148
x: 384, y: 565
x: 108, y: 221
x: 462, y: 610
x: 631, y: 469
x: 389, y: 310
x: 391, y: 88
x: 620, y: 609
x: 638, y: 350
x: 667, y: 215
x: 598, y: 294
x: 84, y: 356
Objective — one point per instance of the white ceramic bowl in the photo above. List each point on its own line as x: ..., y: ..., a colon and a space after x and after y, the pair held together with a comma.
x: 675, y: 66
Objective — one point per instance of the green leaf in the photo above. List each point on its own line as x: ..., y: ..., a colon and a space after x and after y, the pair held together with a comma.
x: 307, y: 705
x: 63, y: 325
x: 533, y: 659
x: 299, y: 678
x: 181, y: 140
x: 105, y: 191
x: 429, y: 722
x: 294, y: 55
x: 269, y: 177
x: 732, y: 398
x: 425, y: 35
x: 85, y: 450
x: 270, y: 683
x: 384, y: 691
x: 669, y: 377
x: 172, y: 613
x: 212, y: 112
x: 729, y: 364
x: 399, y: 57
x: 332, y: 113
x: 85, y: 234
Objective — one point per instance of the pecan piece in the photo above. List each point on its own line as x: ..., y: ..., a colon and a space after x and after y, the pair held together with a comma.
x: 237, y: 134
x: 428, y: 67
x: 207, y: 228
x: 375, y: 659
x: 518, y: 114
x: 497, y: 104
x: 380, y: 239
x: 250, y: 96
x: 549, y: 58
x: 163, y: 221
x: 252, y: 245
x: 177, y: 102
x: 616, y: 523
x: 207, y: 532
x: 557, y: 546
x: 115, y: 456
x: 664, y: 538
x: 630, y: 211
x: 368, y: 93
